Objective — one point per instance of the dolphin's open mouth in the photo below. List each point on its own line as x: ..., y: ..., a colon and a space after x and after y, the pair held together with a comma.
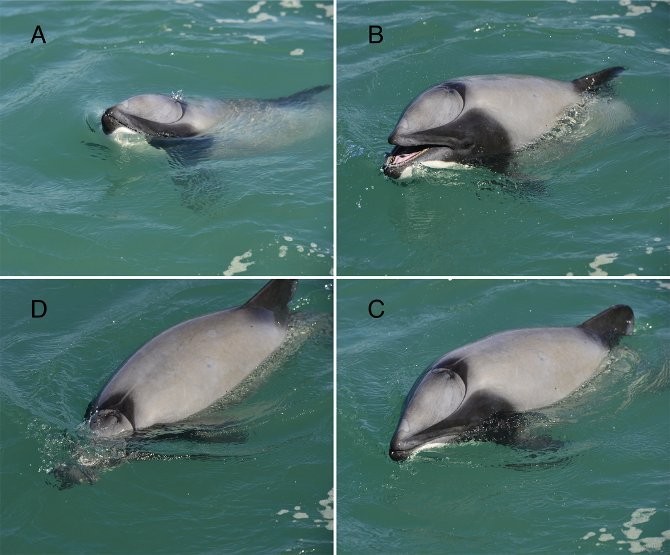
x: 401, y: 157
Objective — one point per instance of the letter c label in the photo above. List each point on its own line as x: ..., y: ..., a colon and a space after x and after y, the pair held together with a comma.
x: 375, y: 314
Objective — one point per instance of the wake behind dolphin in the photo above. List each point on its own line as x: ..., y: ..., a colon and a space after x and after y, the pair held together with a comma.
x: 226, y: 128
x: 471, y: 392
x: 483, y: 119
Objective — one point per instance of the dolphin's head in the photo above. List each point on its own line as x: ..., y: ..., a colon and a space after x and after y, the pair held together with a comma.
x: 422, y: 134
x: 109, y: 423
x: 153, y: 115
x: 438, y: 129
x: 436, y: 395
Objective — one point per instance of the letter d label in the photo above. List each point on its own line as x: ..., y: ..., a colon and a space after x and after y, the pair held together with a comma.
x: 39, y: 308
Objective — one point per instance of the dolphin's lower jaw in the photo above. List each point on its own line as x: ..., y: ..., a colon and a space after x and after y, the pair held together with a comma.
x: 401, y: 158
x: 403, y: 448
x: 398, y: 163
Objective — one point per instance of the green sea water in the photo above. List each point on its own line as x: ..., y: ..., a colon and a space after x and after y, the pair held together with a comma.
x: 605, y: 490
x: 76, y: 202
x: 267, y: 490
x: 594, y: 201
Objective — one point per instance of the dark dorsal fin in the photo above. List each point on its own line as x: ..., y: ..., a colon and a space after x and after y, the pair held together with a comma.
x: 593, y: 81
x: 275, y: 296
x: 611, y: 324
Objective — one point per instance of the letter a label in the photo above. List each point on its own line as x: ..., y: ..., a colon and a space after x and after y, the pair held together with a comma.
x: 38, y: 34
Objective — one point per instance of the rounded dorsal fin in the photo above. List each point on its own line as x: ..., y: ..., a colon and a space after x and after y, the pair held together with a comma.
x: 611, y: 324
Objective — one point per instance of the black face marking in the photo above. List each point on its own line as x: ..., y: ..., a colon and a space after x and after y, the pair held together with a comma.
x: 474, y: 138
x: 113, y: 118
x: 120, y: 402
x: 483, y: 416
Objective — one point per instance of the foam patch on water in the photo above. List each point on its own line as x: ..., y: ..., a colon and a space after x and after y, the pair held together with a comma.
x: 633, y: 535
x: 632, y: 10
x: 625, y: 31
x: 260, y: 16
x: 311, y: 249
x: 325, y: 509
x: 328, y: 8
x: 238, y: 264
x: 602, y: 260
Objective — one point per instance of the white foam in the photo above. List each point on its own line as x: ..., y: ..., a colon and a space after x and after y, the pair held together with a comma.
x: 633, y: 9
x: 328, y: 8
x: 256, y: 38
x: 237, y: 266
x: 601, y: 260
x: 297, y: 52
x: 632, y: 534
x: 261, y: 17
x: 257, y: 6
x: 625, y: 31
x: 325, y: 509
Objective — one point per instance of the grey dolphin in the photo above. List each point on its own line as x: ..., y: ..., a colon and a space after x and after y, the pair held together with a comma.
x: 483, y: 119
x: 238, y: 124
x: 191, y: 365
x: 473, y: 386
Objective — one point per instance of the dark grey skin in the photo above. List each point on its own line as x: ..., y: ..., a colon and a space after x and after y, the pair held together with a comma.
x: 468, y: 392
x: 483, y: 119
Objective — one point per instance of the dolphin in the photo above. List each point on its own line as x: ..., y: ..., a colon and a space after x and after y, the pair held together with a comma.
x: 191, y: 365
x: 483, y: 119
x: 468, y: 391
x: 235, y: 126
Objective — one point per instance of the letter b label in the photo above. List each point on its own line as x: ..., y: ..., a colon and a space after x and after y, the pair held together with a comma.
x: 375, y: 34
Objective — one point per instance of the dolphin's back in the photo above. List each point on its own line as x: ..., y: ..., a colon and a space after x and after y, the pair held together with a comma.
x: 531, y: 368
x: 191, y: 365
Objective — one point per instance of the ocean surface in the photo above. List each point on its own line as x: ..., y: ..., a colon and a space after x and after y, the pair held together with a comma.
x: 590, y: 200
x: 75, y: 202
x: 605, y: 490
x: 264, y: 484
